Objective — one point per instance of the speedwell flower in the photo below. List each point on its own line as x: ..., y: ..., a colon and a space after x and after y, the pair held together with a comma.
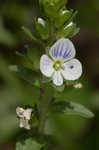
x: 25, y: 116
x: 61, y: 64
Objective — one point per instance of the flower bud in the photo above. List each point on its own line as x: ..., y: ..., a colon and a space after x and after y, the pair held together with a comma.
x: 78, y: 86
x: 68, y: 31
x: 41, y: 21
x: 42, y: 28
x: 64, y: 16
x: 51, y: 7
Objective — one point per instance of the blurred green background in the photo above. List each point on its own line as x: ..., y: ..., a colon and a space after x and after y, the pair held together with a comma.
x: 71, y: 132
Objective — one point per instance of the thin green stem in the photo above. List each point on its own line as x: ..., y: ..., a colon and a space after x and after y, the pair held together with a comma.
x: 43, y: 115
x: 44, y: 106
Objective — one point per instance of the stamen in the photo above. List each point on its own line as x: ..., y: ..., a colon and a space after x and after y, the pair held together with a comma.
x: 57, y: 65
x: 63, y: 68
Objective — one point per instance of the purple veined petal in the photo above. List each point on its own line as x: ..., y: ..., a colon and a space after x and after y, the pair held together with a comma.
x: 67, y: 54
x: 55, y: 52
x: 72, y: 70
x: 46, y: 66
x: 63, y: 50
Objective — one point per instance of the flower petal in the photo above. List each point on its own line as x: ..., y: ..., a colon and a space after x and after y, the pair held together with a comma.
x: 24, y: 124
x: 20, y: 112
x: 46, y: 66
x: 27, y: 113
x: 72, y: 69
x: 63, y: 49
x: 57, y: 78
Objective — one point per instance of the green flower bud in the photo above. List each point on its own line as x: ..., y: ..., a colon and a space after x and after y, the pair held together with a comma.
x: 68, y: 31
x: 64, y: 16
x: 42, y: 27
x: 51, y: 7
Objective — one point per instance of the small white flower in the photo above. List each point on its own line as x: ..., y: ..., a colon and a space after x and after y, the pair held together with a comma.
x: 63, y: 64
x: 25, y: 116
x: 41, y: 21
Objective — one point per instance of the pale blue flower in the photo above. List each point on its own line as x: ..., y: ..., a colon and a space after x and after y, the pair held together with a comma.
x: 62, y: 64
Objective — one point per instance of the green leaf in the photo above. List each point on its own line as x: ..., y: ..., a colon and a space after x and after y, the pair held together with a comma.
x: 58, y: 88
x: 43, y: 30
x: 45, y: 79
x: 52, y: 7
x: 30, y: 35
x: 73, y: 16
x: 72, y: 108
x: 26, y: 74
x: 28, y: 144
x: 34, y: 54
x: 68, y: 31
x: 64, y: 16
